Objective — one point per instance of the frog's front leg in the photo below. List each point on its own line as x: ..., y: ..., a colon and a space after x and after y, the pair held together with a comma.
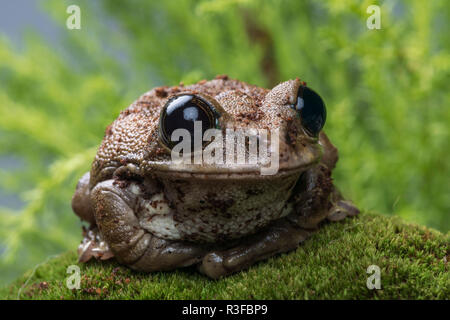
x: 131, y: 244
x: 315, y: 199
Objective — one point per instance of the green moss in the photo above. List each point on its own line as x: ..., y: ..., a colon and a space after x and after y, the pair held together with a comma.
x: 332, y: 264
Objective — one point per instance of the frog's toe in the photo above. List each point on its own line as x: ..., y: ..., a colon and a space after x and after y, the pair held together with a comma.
x: 342, y: 209
x: 212, y: 266
x: 283, y: 236
x: 93, y: 246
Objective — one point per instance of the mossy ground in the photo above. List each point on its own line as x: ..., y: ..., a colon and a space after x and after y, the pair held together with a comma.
x: 332, y: 264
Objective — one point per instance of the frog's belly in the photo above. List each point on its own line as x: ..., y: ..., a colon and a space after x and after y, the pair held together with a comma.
x: 212, y: 213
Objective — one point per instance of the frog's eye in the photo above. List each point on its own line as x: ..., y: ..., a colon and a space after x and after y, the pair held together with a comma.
x: 311, y: 109
x: 181, y: 112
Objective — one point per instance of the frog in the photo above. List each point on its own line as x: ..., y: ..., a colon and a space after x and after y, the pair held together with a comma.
x: 152, y: 213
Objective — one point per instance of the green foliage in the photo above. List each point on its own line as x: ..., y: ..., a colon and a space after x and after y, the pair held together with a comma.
x: 386, y: 91
x: 330, y: 265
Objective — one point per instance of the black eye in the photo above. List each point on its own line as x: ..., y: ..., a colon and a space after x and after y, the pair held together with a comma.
x: 311, y: 109
x: 180, y: 112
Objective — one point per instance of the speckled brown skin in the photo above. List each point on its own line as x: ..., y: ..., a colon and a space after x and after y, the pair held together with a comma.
x: 221, y: 218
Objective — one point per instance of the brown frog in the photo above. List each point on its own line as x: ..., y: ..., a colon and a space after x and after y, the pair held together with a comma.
x: 152, y: 213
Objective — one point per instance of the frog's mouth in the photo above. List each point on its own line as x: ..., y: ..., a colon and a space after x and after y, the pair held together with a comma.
x: 225, y: 173
x: 282, y: 165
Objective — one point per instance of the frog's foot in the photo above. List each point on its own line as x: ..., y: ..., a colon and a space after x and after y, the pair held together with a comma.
x: 93, y: 246
x: 130, y: 243
x: 342, y: 209
x: 281, y: 237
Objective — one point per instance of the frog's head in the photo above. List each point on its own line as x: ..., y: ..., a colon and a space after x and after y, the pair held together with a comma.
x: 291, y: 114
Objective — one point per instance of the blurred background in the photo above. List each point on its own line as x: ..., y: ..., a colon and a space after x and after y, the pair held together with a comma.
x: 386, y: 90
